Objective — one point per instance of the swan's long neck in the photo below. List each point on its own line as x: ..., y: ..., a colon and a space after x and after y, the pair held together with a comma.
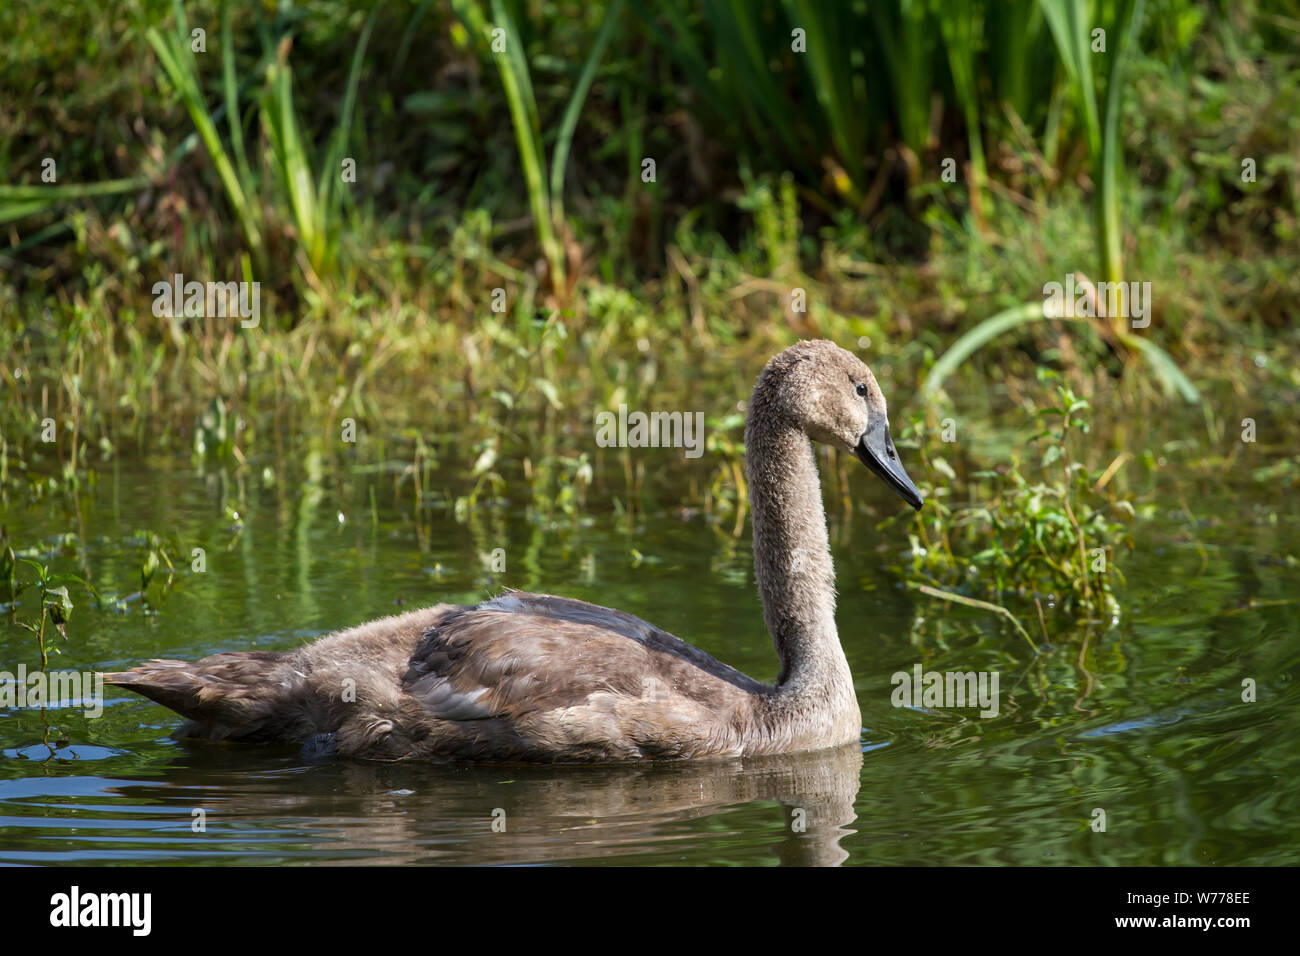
x: 792, y: 559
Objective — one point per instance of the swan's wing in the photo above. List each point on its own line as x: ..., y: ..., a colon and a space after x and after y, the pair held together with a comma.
x: 567, y: 672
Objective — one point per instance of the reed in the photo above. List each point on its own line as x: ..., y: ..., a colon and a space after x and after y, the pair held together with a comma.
x: 316, y: 198
x: 311, y: 198
x: 544, y: 184
x: 181, y: 70
x: 1071, y: 26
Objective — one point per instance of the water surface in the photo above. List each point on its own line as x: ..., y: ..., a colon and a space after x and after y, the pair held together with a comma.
x: 1144, y: 720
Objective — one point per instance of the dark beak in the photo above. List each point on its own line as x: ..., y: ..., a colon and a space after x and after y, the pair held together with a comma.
x: 876, y: 450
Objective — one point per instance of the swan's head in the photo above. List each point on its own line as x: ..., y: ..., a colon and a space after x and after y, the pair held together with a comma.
x: 832, y: 395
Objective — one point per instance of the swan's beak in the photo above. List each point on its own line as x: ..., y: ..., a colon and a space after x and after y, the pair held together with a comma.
x: 876, y: 450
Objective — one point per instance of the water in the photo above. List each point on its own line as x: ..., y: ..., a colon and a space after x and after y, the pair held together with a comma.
x: 1145, y: 721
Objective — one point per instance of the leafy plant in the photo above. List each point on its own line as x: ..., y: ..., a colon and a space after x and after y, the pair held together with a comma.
x: 155, y: 557
x: 316, y: 201
x: 1072, y: 29
x: 1044, y: 531
x: 1070, y: 26
x: 178, y: 62
x: 55, y: 603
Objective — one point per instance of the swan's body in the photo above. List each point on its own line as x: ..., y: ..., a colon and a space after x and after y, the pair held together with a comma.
x: 527, y: 677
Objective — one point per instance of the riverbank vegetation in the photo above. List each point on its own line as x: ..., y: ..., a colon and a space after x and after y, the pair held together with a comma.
x: 475, y: 226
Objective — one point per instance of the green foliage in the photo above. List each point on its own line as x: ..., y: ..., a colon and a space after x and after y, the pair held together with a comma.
x: 214, y: 433
x: 316, y: 200
x: 1072, y: 28
x: 20, y: 202
x: 55, y: 602
x: 156, y: 556
x: 1040, y: 530
x: 311, y: 200
x: 877, y: 66
x: 768, y: 161
x: 1163, y: 368
x: 181, y: 70
x: 545, y: 192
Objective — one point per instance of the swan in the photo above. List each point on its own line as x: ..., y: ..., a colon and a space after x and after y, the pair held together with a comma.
x: 542, y: 679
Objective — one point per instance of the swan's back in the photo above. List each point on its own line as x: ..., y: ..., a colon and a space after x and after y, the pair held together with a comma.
x: 521, y: 677
x: 536, y: 677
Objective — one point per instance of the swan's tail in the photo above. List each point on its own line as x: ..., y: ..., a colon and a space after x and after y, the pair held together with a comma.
x: 253, y: 695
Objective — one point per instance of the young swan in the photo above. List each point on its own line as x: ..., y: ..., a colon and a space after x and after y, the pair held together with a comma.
x: 530, y: 677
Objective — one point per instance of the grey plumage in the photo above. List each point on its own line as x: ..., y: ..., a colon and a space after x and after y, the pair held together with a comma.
x: 528, y: 677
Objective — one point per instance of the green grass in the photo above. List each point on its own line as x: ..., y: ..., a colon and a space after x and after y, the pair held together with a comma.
x: 544, y: 184
x: 178, y: 64
x: 1072, y: 29
x: 312, y: 199
x: 817, y: 170
x: 317, y: 200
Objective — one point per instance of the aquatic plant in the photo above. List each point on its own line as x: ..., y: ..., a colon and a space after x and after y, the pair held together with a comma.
x: 55, y: 602
x: 1041, y: 530
x: 544, y: 181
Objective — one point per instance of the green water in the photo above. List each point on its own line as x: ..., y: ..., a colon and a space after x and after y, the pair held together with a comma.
x: 1144, y: 720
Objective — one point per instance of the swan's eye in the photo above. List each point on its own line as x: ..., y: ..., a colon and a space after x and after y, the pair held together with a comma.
x: 862, y: 389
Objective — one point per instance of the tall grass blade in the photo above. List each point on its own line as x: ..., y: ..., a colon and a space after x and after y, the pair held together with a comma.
x: 517, y: 83
x: 684, y: 48
x: 960, y: 25
x: 281, y: 121
x: 1068, y: 21
x: 1171, y: 377
x: 977, y: 337
x: 1167, y: 371
x: 1012, y: 28
x: 54, y: 193
x: 178, y: 63
x: 1128, y: 19
x: 906, y: 43
x: 829, y: 34
x: 560, y: 158
x: 330, y: 195
x: 233, y: 116
x: 745, y: 60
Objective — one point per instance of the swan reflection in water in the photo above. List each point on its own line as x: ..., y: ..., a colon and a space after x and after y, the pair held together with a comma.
x: 350, y: 812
